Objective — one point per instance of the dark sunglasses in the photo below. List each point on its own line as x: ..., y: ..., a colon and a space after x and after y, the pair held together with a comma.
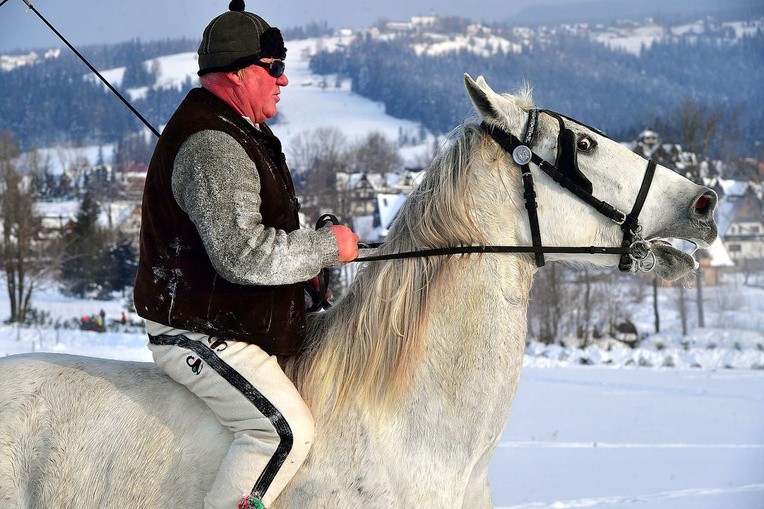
x: 275, y: 68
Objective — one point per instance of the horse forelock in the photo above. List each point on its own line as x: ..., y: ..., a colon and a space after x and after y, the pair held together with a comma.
x: 364, y: 352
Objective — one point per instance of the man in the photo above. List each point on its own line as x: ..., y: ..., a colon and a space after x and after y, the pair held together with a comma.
x: 223, y: 261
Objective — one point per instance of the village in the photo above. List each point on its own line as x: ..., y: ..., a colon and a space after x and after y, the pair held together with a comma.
x: 369, y: 202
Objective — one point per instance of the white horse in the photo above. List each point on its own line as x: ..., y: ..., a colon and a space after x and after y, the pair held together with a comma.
x: 410, y: 377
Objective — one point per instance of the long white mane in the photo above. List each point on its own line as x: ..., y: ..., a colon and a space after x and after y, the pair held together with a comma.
x: 367, y: 348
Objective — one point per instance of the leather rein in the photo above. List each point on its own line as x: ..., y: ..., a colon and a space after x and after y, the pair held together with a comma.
x: 634, y: 250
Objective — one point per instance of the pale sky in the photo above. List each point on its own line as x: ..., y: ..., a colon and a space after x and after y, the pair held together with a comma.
x: 92, y: 21
x: 86, y: 22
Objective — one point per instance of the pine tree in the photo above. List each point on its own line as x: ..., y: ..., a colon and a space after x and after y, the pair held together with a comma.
x: 88, y: 266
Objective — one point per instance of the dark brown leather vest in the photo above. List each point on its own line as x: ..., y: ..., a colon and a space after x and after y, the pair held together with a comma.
x: 176, y: 283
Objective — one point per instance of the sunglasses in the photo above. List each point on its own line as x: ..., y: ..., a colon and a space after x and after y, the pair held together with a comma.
x: 275, y: 68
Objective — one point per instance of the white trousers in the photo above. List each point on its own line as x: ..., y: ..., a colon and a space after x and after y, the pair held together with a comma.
x: 250, y: 395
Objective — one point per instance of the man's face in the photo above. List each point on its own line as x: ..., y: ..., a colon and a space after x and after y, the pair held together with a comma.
x: 261, y: 91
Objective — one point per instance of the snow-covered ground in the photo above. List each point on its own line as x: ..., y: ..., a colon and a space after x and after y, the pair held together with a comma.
x: 608, y: 426
x: 641, y: 438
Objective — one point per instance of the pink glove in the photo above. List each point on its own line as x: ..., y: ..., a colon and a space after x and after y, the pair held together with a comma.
x: 347, y: 242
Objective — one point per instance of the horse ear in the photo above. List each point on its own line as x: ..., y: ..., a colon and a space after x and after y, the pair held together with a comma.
x: 478, y: 91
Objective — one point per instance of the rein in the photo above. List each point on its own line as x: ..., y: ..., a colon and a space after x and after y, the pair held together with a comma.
x: 633, y: 249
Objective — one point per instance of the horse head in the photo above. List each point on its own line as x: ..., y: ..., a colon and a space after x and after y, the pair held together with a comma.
x: 594, y: 190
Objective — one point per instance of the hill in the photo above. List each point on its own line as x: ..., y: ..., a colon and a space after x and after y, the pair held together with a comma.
x: 621, y: 77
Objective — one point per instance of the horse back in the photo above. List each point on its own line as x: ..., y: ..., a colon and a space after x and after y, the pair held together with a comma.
x: 85, y: 432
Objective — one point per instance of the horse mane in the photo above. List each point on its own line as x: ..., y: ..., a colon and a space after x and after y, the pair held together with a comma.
x: 365, y: 349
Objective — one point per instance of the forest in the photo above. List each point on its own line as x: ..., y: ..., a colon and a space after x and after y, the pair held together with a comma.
x: 59, y: 100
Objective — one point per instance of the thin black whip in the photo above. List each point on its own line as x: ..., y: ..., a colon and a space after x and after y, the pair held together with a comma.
x: 3, y: 3
x: 95, y: 71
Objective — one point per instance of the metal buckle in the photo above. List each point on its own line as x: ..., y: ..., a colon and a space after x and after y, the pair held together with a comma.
x: 616, y: 221
x: 642, y: 255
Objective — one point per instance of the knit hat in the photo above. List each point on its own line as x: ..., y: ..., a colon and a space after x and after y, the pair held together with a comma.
x: 237, y: 39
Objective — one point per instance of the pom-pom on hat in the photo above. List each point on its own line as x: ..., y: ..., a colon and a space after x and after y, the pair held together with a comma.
x: 237, y: 39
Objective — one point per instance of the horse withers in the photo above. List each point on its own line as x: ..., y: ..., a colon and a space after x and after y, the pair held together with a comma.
x: 411, y: 375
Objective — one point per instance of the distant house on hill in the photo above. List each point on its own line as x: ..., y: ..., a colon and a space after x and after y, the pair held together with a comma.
x: 671, y: 155
x: 373, y: 199
x: 740, y: 217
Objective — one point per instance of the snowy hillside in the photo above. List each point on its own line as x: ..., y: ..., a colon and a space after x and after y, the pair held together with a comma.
x: 308, y: 102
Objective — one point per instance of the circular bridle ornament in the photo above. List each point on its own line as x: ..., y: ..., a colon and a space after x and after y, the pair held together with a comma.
x: 522, y: 155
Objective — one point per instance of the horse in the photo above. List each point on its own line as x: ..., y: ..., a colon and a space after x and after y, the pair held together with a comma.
x: 411, y: 375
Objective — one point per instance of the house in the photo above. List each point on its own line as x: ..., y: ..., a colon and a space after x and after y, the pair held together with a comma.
x: 358, y: 192
x: 374, y: 199
x: 740, y: 218
x: 714, y: 260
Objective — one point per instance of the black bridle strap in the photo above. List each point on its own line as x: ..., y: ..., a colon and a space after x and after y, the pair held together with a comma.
x: 600, y: 206
x: 445, y: 251
x: 631, y: 222
x: 529, y: 191
x: 509, y: 143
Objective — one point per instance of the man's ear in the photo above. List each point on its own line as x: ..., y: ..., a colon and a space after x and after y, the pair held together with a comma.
x: 235, y: 78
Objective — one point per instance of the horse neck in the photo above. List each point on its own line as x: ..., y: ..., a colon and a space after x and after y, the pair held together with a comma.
x: 476, y: 339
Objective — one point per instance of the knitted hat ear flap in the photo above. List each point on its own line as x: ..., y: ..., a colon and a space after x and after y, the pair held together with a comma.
x: 272, y: 44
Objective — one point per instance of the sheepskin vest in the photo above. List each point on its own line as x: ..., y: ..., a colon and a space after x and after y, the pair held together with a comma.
x: 176, y: 284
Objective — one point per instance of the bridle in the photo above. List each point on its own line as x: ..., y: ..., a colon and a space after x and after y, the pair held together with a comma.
x: 634, y: 250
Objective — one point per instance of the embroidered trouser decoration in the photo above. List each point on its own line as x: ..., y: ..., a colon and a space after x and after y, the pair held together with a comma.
x: 208, y: 354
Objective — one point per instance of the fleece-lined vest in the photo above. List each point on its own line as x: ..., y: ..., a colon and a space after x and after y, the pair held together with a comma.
x: 176, y: 283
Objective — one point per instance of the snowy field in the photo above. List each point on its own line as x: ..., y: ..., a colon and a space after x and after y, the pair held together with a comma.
x: 642, y: 438
x: 622, y: 431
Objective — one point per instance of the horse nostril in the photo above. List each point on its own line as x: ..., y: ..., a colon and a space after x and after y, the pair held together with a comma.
x: 704, y: 205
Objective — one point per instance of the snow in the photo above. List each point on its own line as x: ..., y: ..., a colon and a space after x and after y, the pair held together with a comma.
x: 618, y: 438
x: 312, y: 101
x: 631, y: 41
x: 627, y: 429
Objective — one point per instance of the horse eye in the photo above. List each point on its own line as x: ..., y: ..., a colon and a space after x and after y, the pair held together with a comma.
x: 585, y: 144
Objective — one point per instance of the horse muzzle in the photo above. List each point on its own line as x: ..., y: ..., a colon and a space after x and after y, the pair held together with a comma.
x: 674, y: 245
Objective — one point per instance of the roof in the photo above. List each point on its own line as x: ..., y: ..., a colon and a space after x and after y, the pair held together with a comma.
x: 720, y: 257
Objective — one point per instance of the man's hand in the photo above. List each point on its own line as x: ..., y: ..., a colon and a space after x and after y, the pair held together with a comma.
x: 347, y: 242
x: 316, y: 285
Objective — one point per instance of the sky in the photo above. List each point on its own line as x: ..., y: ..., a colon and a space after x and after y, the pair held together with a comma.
x: 86, y: 22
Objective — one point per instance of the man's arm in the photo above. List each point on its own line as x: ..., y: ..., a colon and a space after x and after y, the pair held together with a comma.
x: 217, y: 185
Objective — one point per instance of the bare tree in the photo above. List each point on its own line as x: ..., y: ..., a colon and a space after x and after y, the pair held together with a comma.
x: 375, y: 153
x: 701, y: 129
x: 549, y: 297
x: 21, y: 248
x: 317, y: 156
x: 681, y: 301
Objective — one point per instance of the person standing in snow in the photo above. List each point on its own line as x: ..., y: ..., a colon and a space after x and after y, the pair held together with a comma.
x: 223, y: 261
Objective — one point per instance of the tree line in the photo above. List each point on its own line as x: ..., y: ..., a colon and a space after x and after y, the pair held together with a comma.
x: 618, y: 92
x: 59, y: 100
